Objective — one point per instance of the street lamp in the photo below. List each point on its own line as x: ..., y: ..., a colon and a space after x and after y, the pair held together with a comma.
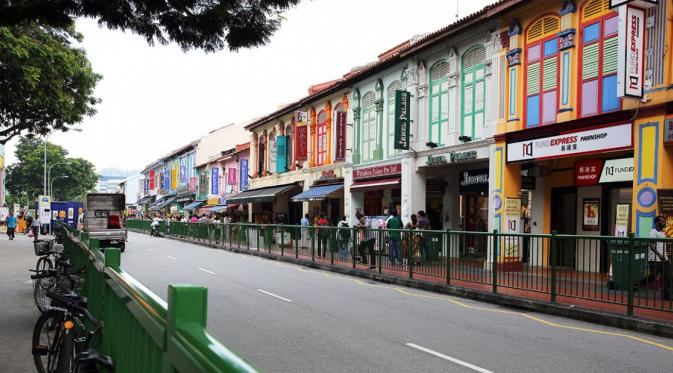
x: 51, y: 183
x: 46, y: 139
x: 49, y: 173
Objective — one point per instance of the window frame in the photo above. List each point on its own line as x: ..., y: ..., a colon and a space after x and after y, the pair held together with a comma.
x: 321, y: 138
x: 473, y: 71
x: 440, y: 121
x: 390, y: 119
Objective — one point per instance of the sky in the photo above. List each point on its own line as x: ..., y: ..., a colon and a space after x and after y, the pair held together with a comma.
x: 158, y: 98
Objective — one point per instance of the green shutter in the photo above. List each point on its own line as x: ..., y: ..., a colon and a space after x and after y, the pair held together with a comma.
x: 533, y: 77
x: 610, y: 55
x: 590, y: 61
x: 550, y: 73
x: 467, y: 99
x: 281, y: 153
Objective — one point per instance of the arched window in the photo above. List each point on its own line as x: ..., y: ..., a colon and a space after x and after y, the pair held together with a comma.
x: 474, y: 90
x: 289, y: 132
x: 261, y: 154
x: 390, y: 106
x: 368, y: 126
x: 321, y: 141
x: 542, y: 63
x: 439, y: 102
x: 273, y: 152
x: 598, y: 59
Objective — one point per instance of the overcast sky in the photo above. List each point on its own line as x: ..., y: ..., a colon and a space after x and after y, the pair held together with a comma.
x: 156, y: 99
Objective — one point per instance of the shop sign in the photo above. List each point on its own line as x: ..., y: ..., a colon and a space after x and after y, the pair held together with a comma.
x: 644, y: 3
x: 463, y: 156
x: 231, y: 176
x: 340, y: 136
x: 151, y: 179
x: 527, y: 180
x: 301, y: 143
x: 363, y: 173
x: 631, y: 52
x: 183, y: 174
x: 668, y: 131
x: 590, y: 214
x: 622, y: 219
x: 474, y: 180
x: 665, y: 197
x: 402, y: 99
x: 587, y: 172
x: 300, y: 118
x: 243, y: 179
x: 572, y: 143
x: 44, y: 205
x: 192, y: 184
x: 434, y: 160
x: 215, y: 181
x: 616, y: 170
x: 213, y: 201
x: 146, y: 184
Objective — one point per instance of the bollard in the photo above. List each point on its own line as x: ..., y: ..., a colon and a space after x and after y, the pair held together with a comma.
x: 553, y: 254
x: 494, y: 274
x: 448, y: 256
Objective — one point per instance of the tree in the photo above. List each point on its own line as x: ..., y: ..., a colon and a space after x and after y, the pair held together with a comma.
x: 210, y: 25
x: 24, y: 178
x: 45, y: 83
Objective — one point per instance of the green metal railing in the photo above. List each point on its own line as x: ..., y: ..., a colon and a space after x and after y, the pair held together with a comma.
x: 548, y: 267
x: 142, y: 332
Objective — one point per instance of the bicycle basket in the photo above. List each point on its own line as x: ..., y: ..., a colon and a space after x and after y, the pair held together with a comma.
x: 41, y: 248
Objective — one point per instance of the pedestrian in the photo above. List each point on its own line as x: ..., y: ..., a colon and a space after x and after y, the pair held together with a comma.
x: 394, y: 238
x: 423, y: 224
x: 29, y: 223
x: 658, y: 261
x: 344, y: 238
x: 365, y: 240
x: 323, y: 235
x: 305, y: 222
x: 11, y: 225
x: 35, y: 227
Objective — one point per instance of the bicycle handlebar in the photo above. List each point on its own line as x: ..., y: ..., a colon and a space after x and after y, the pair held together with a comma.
x: 73, y: 306
x: 53, y: 272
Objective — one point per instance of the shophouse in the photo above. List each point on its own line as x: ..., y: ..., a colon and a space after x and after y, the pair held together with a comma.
x: 297, y: 157
x: 583, y: 146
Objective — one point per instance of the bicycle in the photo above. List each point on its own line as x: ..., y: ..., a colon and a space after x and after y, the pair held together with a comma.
x: 60, y: 280
x: 62, y: 342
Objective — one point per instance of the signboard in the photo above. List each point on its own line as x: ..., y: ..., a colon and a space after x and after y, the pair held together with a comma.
x: 622, y: 219
x: 474, y: 180
x: 301, y: 143
x: 642, y: 3
x: 434, y: 160
x: 616, y: 170
x: 146, y: 187
x: 510, y: 245
x: 215, y: 181
x: 192, y: 184
x: 183, y: 174
x: 572, y: 143
x: 243, y: 179
x: 44, y: 207
x: 665, y: 197
x: 340, y: 136
x: 590, y: 214
x: 301, y: 118
x: 152, y: 179
x: 231, y: 176
x: 587, y: 172
x: 364, y: 173
x: 174, y: 178
x: 631, y: 52
x: 463, y: 156
x: 668, y: 131
x: 402, y: 100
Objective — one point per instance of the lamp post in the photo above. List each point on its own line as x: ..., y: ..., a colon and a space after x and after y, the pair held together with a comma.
x: 46, y: 140
x: 49, y: 173
x: 51, y: 183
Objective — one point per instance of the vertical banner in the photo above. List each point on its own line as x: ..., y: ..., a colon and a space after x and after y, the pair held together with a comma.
x: 402, y: 100
x: 167, y: 179
x: 231, y: 176
x: 281, y: 154
x: 146, y: 186
x: 215, y: 181
x: 301, y: 143
x: 622, y: 215
x: 512, y: 225
x: 174, y: 177
x: 631, y: 52
x: 243, y: 179
x: 151, y: 180
x: 192, y: 184
x: 340, y: 136
x: 183, y: 174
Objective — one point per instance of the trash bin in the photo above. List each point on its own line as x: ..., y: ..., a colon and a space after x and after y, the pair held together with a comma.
x: 619, y: 258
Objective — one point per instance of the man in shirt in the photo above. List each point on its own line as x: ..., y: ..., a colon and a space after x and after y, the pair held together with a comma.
x: 11, y: 225
x: 35, y: 226
x: 305, y: 222
x: 657, y: 260
x: 394, y: 237
x: 423, y: 224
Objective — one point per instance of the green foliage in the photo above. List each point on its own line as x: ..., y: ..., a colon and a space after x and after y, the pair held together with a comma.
x: 210, y: 25
x: 25, y: 177
x: 45, y: 83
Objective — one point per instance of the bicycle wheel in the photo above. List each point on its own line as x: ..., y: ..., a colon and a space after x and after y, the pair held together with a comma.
x: 47, y: 336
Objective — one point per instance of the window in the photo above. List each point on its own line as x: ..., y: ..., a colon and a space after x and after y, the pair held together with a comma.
x: 261, y: 151
x: 598, y: 59
x: 474, y: 89
x: 439, y: 102
x: 289, y: 132
x: 390, y: 104
x: 321, y: 141
x: 542, y: 61
x: 273, y: 152
x: 368, y: 126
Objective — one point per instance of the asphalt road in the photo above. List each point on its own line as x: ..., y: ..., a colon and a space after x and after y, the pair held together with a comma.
x: 283, y: 317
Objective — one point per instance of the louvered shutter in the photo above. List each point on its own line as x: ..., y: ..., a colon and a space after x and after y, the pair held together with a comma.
x: 549, y: 73
x: 281, y: 153
x: 533, y: 78
x: 610, y: 56
x: 590, y: 61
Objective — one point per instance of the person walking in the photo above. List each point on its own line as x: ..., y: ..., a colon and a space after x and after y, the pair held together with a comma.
x: 323, y: 235
x: 29, y: 224
x: 305, y: 222
x: 657, y: 260
x: 344, y: 238
x: 423, y: 224
x: 394, y: 238
x: 35, y: 227
x: 11, y: 225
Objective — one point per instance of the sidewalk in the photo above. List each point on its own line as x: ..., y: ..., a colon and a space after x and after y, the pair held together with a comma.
x: 17, y: 308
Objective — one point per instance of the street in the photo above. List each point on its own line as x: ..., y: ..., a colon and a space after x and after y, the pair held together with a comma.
x: 283, y: 317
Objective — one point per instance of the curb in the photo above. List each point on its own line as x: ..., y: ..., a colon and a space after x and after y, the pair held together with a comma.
x: 657, y: 328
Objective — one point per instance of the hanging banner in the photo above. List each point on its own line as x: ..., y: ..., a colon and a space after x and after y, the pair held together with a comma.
x: 146, y: 186
x: 402, y: 100
x: 152, y: 179
x: 192, y: 184
x: 231, y: 176
x: 616, y: 170
x: 167, y: 179
x: 215, y: 181
x: 340, y: 136
x: 631, y: 52
x: 183, y: 174
x: 587, y: 172
x: 301, y: 143
x: 243, y: 179
x: 174, y: 178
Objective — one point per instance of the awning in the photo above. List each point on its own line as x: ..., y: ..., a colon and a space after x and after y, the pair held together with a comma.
x: 144, y: 200
x: 163, y: 203
x: 193, y: 205
x: 318, y: 193
x: 218, y: 208
x: 391, y: 183
x: 184, y: 199
x: 260, y: 194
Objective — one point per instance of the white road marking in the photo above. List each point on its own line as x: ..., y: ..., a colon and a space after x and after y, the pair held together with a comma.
x: 274, y: 295
x: 170, y: 257
x: 205, y: 270
x: 449, y: 358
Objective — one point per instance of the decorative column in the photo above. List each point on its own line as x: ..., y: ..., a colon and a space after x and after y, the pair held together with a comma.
x: 566, y: 43
x: 266, y: 152
x: 356, y: 127
x: 378, y: 152
x: 506, y: 183
x: 253, y: 155
x: 514, y: 90
x: 294, y: 145
x: 328, y: 128
x: 312, y: 130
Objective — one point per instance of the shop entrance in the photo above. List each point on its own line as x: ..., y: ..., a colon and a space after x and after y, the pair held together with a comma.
x: 564, y: 221
x: 474, y: 218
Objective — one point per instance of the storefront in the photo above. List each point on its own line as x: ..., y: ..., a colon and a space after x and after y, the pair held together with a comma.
x: 325, y: 196
x: 376, y: 189
x: 271, y: 204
